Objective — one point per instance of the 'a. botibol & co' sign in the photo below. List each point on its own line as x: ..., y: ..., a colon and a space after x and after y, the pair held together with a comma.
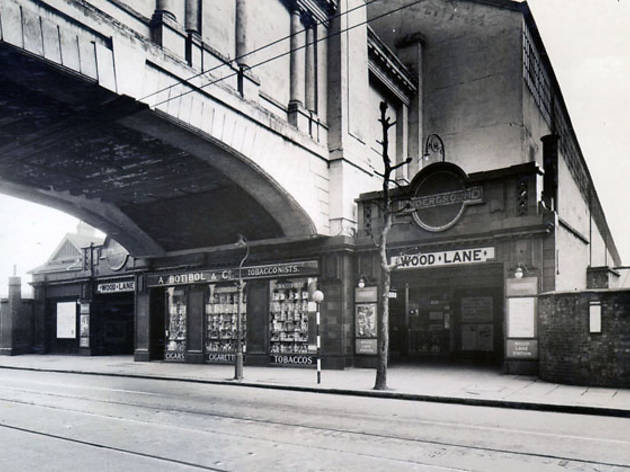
x: 440, y: 195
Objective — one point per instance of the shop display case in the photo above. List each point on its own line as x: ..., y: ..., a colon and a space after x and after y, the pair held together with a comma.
x: 288, y: 317
x: 221, y: 315
x: 176, y: 328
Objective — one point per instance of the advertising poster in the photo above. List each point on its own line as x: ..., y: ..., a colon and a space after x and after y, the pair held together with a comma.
x: 365, y: 317
x: 84, y: 326
x: 66, y: 320
x: 521, y: 317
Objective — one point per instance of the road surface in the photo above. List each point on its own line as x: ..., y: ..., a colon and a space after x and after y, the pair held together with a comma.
x: 68, y: 422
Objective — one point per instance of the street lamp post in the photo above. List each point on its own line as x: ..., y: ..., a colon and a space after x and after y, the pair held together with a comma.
x: 238, y: 358
x: 318, y: 297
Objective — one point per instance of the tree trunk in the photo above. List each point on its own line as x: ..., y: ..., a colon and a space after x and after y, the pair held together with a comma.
x: 383, y: 309
x: 382, y: 350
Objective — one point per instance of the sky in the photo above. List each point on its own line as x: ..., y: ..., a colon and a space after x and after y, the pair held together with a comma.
x: 588, y: 42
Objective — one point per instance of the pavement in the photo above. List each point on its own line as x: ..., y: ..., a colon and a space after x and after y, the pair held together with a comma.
x: 461, y: 384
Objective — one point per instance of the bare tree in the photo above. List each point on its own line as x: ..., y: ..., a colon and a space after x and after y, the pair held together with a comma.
x: 387, y: 212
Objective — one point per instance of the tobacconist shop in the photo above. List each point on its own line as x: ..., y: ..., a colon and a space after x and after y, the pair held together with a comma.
x: 200, y: 310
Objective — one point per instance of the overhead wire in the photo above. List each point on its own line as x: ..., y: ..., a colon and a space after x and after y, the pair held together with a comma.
x: 278, y: 56
x: 254, y: 51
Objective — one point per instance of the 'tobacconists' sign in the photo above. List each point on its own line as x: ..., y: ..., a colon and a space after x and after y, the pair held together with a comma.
x: 442, y: 258
x: 296, y: 269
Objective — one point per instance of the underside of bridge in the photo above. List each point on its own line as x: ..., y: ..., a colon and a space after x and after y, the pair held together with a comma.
x: 151, y: 184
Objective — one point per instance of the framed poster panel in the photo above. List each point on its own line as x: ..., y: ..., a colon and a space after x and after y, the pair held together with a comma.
x: 476, y: 310
x: 521, y: 317
x: 594, y: 318
x: 365, y: 320
x: 66, y: 320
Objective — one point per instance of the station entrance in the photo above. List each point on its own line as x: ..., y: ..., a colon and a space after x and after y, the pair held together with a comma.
x: 448, y: 314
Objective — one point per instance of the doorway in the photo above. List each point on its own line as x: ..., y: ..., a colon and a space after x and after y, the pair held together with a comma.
x: 448, y: 315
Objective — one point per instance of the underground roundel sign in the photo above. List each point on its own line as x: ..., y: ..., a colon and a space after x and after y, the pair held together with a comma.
x: 440, y: 195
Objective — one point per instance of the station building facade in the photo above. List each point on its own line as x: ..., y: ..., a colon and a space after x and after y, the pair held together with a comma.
x: 495, y: 207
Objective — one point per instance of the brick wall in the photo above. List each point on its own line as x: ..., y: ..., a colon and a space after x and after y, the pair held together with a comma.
x: 570, y: 354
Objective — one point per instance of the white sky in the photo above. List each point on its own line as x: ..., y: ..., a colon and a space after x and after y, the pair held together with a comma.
x: 588, y: 42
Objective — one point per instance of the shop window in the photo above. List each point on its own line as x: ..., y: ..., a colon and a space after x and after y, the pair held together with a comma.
x: 221, y: 318
x: 595, y: 318
x: 289, y: 317
x: 176, y: 324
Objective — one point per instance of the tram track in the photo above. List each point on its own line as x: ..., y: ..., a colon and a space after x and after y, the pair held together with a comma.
x: 348, y: 434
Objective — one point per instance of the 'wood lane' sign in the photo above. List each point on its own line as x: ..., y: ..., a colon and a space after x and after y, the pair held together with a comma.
x: 443, y: 258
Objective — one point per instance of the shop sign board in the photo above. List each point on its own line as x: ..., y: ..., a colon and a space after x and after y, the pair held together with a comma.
x: 294, y: 360
x: 521, y: 349
x: 292, y: 269
x: 443, y: 258
x: 521, y: 317
x: 220, y: 358
x: 441, y: 195
x: 365, y: 346
x: 66, y: 320
x: 116, y: 287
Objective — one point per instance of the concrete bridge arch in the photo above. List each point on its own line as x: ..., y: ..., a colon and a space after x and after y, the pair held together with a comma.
x: 82, y: 134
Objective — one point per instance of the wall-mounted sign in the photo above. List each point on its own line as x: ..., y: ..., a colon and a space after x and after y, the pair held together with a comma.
x: 116, y: 287
x: 114, y: 254
x: 442, y: 258
x: 295, y: 360
x: 440, y: 195
x: 365, y: 294
x: 66, y: 320
x: 521, y: 319
x: 365, y: 346
x: 293, y: 269
x: 518, y: 287
x: 521, y: 349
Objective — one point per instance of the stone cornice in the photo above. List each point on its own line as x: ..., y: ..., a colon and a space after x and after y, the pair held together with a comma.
x: 318, y: 11
x: 385, y: 64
